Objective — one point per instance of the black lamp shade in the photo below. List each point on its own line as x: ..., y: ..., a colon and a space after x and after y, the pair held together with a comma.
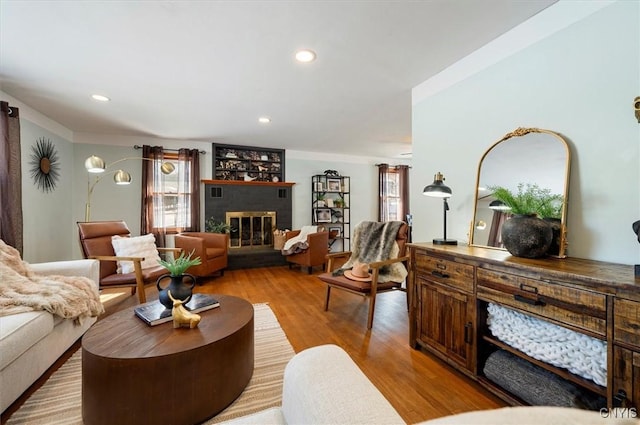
x: 437, y: 189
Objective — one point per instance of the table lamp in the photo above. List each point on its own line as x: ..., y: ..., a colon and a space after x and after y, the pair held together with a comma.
x: 438, y: 189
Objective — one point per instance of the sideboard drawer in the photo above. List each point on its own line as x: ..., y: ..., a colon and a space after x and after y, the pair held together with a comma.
x: 626, y: 321
x: 583, y: 309
x: 447, y: 272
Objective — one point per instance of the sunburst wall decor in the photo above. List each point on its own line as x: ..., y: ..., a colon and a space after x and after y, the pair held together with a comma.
x: 45, y: 169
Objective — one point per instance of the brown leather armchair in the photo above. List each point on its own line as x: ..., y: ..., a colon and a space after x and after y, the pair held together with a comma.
x: 313, y: 256
x: 372, y: 287
x: 95, y: 240
x: 210, y: 247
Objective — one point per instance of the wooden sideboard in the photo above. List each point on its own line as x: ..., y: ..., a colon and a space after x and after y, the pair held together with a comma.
x: 451, y: 286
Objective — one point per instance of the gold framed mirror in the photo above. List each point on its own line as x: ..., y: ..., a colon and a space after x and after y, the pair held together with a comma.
x: 525, y: 156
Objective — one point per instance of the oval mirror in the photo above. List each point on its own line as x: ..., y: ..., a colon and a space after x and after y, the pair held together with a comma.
x: 526, y: 156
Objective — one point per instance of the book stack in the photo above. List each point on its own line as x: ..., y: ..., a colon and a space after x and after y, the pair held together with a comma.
x: 153, y: 313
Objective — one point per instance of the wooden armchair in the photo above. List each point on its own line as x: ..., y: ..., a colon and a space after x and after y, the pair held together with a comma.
x: 212, y: 248
x: 95, y: 240
x: 312, y: 256
x: 376, y: 284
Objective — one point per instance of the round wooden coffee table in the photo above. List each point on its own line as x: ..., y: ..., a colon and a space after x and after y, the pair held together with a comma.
x: 139, y: 374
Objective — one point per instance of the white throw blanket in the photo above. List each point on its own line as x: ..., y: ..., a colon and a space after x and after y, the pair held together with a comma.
x: 22, y: 290
x: 300, y: 241
x: 578, y: 353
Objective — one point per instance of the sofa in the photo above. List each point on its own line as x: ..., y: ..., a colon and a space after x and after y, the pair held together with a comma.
x: 31, y: 342
x: 322, y: 385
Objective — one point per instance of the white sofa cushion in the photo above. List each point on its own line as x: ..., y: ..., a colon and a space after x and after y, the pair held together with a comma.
x: 323, y: 385
x: 18, y: 332
x: 137, y: 246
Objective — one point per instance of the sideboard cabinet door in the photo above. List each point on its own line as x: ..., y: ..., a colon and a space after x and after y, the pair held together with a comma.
x: 446, y: 320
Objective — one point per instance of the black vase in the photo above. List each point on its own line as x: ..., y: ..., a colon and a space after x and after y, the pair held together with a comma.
x: 527, y: 236
x: 179, y: 289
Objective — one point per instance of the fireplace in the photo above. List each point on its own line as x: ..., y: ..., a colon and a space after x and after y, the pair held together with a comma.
x: 251, y: 229
x: 252, y: 246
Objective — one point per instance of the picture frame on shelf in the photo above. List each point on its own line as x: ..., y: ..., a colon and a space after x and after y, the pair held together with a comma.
x: 323, y: 215
x: 333, y: 185
x: 337, y: 230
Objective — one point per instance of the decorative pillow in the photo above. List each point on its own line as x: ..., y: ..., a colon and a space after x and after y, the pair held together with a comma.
x: 137, y: 246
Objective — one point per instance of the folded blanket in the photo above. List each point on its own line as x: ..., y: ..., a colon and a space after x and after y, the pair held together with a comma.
x: 376, y: 241
x: 22, y: 290
x: 299, y: 243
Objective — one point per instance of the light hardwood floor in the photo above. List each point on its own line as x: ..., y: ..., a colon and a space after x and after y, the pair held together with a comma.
x: 417, y: 384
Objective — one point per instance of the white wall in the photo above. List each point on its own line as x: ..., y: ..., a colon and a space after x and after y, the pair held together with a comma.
x: 580, y: 82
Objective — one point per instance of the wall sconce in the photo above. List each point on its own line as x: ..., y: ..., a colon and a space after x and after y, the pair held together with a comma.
x: 96, y: 165
x: 636, y: 106
x: 438, y: 189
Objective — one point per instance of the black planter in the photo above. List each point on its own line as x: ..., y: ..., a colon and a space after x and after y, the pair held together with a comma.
x: 527, y: 236
x: 179, y: 289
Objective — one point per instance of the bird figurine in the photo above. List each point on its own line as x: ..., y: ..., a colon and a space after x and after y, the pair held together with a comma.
x: 248, y: 178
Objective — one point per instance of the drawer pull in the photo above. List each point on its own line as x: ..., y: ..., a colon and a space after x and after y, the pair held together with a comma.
x: 467, y: 333
x: 439, y: 274
x: 526, y: 300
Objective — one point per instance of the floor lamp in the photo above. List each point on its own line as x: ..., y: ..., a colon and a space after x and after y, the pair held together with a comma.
x: 438, y: 189
x: 96, y: 165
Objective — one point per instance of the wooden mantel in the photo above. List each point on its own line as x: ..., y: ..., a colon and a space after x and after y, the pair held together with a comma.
x: 248, y: 183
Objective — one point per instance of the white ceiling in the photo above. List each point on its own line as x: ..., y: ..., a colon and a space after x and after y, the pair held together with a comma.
x: 206, y: 70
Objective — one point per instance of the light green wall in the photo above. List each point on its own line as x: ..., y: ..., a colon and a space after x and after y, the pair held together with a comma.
x: 46, y: 214
x: 579, y: 82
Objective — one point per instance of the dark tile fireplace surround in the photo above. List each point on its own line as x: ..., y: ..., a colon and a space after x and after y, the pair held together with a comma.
x: 222, y: 196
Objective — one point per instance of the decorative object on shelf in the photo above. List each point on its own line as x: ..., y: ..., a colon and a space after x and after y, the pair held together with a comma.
x: 526, y: 234
x: 323, y: 215
x: 331, y: 173
x: 246, y: 163
x: 438, y: 189
x: 182, y: 316
x: 96, y: 165
x: 45, y: 169
x: 333, y: 185
x: 177, y: 275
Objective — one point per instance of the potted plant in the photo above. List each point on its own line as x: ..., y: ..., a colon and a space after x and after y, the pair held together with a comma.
x: 177, y: 268
x: 214, y: 226
x: 526, y: 234
x: 530, y: 199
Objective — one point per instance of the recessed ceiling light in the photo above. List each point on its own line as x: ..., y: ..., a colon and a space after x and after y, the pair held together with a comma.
x: 305, y: 56
x: 264, y: 120
x: 100, y: 97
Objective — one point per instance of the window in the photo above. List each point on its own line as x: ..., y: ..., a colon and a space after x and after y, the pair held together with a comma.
x: 174, y: 192
x: 171, y: 202
x: 393, y: 187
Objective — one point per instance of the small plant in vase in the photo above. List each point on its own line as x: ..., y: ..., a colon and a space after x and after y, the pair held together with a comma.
x: 526, y: 234
x: 177, y: 268
x: 214, y: 226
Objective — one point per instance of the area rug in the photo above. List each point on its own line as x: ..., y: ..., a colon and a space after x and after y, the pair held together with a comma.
x: 58, y: 401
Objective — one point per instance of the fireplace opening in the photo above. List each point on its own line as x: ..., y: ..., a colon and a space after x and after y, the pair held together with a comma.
x: 251, y: 229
